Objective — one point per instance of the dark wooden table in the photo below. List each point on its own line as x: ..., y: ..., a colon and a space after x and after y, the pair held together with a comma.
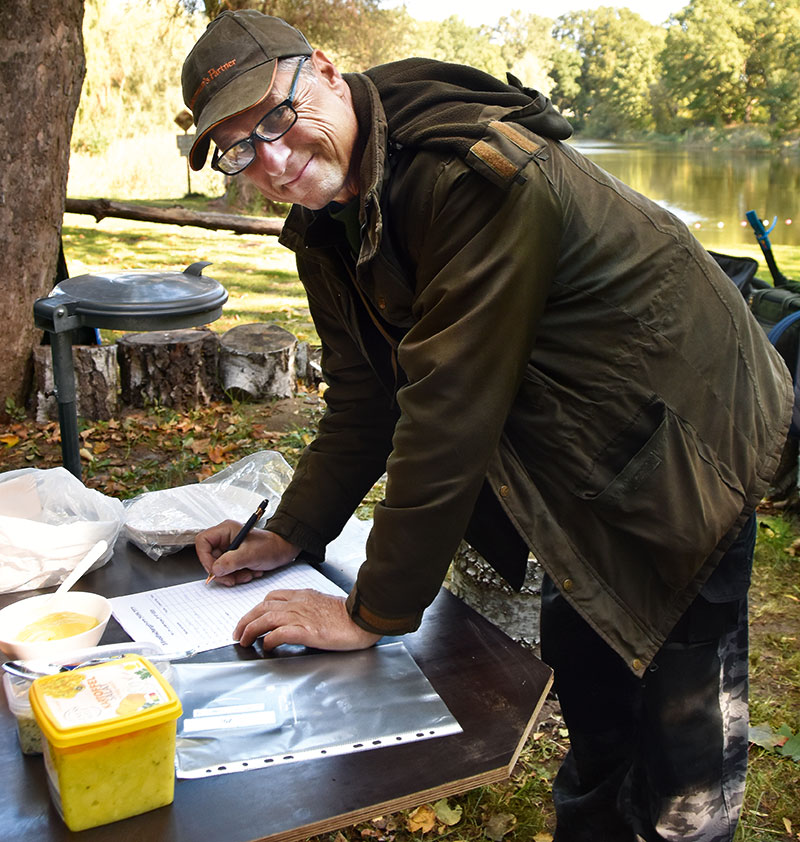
x: 492, y: 685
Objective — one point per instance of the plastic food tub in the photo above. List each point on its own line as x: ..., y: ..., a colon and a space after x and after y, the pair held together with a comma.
x: 108, y: 740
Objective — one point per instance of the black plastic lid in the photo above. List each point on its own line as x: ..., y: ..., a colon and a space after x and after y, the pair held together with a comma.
x: 134, y: 298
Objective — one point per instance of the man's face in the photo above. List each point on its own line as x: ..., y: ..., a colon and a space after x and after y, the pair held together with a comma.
x: 313, y: 164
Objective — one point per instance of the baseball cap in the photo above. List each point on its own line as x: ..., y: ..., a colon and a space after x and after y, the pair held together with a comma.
x: 232, y: 67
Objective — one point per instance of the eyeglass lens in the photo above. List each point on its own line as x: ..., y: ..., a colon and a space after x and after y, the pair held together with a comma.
x: 273, y: 125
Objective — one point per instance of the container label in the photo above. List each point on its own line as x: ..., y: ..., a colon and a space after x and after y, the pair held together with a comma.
x: 117, y: 689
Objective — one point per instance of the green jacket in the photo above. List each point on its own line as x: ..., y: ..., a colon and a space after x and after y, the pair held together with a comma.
x: 540, y: 359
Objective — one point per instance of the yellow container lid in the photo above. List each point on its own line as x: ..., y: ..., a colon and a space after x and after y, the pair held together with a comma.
x: 105, y: 700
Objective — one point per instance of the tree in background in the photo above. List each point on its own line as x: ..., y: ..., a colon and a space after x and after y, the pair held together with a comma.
x: 134, y: 54
x: 356, y: 33
x: 619, y: 69
x: 454, y: 40
x: 773, y: 66
x: 734, y: 63
x: 704, y: 62
x: 41, y: 69
x: 528, y: 48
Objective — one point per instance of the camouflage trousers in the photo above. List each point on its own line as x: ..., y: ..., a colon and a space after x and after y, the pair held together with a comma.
x: 662, y: 758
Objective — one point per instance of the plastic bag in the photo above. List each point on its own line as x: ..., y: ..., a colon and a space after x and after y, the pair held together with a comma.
x: 49, y: 520
x: 163, y: 522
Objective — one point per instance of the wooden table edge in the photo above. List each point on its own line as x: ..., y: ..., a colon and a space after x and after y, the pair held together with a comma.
x: 414, y: 799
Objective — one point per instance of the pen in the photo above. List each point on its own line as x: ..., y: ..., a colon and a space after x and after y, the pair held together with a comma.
x: 242, y: 534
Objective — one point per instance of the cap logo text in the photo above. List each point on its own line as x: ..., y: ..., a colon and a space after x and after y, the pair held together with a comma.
x: 209, y: 78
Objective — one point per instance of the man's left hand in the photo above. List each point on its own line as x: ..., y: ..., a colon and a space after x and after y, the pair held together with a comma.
x: 304, y: 617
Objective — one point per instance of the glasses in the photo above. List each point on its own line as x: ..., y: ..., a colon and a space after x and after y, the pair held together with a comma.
x: 273, y: 125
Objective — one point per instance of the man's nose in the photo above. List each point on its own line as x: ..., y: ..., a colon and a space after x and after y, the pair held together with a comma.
x: 272, y: 156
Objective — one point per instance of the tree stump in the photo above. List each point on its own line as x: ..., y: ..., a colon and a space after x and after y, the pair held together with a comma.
x: 307, y: 364
x: 175, y: 368
x: 96, y: 382
x: 258, y: 361
x: 475, y: 581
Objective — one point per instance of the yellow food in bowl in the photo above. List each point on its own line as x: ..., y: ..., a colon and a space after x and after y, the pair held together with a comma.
x: 57, y: 626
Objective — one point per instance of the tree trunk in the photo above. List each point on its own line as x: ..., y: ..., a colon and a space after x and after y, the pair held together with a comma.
x: 475, y: 581
x: 258, y: 361
x: 96, y: 382
x: 41, y: 72
x: 101, y: 208
x: 175, y: 368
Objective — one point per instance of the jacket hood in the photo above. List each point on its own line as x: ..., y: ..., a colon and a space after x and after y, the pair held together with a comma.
x: 437, y: 104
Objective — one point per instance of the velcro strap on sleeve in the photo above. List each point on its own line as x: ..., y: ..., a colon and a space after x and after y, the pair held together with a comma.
x: 502, y: 154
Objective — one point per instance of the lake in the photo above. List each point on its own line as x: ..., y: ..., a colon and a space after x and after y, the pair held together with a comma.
x: 711, y: 190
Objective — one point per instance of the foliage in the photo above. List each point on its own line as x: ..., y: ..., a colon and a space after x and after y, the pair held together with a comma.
x: 618, y: 53
x: 774, y: 66
x: 726, y: 63
x: 717, y: 64
x: 356, y: 33
x: 705, y: 60
x: 456, y: 41
x: 134, y: 52
x: 527, y: 48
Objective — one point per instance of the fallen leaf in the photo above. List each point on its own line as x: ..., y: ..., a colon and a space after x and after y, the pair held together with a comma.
x: 422, y: 819
x: 86, y: 454
x: 9, y: 440
x: 762, y: 735
x: 544, y: 836
x: 788, y: 825
x: 791, y: 748
x: 498, y: 825
x: 101, y: 447
x: 446, y: 814
x: 216, y: 453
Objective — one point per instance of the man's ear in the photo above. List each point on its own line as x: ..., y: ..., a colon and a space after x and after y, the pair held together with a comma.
x: 327, y: 70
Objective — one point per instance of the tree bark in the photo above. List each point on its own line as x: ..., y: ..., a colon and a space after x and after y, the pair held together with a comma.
x: 101, y: 208
x: 258, y: 361
x: 175, y: 368
x: 96, y: 382
x: 41, y: 71
x: 475, y: 581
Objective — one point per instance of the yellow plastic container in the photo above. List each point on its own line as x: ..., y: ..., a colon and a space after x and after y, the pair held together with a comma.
x: 108, y: 739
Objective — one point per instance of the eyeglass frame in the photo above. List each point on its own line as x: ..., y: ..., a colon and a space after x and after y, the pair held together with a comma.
x: 253, y: 136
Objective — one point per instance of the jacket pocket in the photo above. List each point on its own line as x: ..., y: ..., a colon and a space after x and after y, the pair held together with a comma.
x: 670, y: 502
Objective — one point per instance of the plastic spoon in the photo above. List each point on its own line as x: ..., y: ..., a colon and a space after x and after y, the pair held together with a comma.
x: 82, y: 566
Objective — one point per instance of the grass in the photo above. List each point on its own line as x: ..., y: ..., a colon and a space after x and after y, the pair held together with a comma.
x: 158, y: 447
x: 259, y: 274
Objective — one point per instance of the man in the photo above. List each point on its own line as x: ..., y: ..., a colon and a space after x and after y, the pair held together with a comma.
x: 541, y: 360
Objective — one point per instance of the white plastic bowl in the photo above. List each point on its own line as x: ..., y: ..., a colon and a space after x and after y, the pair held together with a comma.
x: 14, y: 618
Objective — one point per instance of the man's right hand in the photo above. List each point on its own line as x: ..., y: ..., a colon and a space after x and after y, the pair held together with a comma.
x: 262, y: 550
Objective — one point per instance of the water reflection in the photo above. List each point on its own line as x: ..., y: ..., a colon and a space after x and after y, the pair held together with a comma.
x: 711, y: 190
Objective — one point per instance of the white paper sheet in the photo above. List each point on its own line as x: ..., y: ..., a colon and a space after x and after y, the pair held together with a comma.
x: 202, y: 616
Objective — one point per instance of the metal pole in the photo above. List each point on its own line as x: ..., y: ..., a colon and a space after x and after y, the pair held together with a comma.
x: 64, y: 380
